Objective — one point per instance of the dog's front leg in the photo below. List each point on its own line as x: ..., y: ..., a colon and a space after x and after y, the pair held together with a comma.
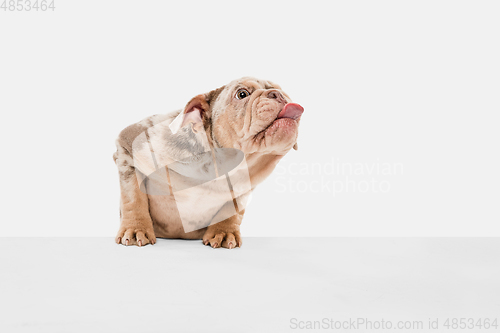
x: 136, y: 225
x: 225, y: 233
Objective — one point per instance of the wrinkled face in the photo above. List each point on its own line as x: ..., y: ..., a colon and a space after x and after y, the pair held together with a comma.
x: 255, y: 116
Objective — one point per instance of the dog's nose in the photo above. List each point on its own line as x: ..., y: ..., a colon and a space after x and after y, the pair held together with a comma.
x: 275, y: 94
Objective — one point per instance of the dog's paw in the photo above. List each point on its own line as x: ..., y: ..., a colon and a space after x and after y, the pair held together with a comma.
x: 135, y: 236
x: 216, y: 239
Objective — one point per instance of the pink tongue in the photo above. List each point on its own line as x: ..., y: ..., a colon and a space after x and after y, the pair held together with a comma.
x: 291, y: 110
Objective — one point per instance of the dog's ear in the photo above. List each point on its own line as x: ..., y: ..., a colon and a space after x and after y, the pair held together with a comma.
x: 197, y: 113
x: 194, y: 112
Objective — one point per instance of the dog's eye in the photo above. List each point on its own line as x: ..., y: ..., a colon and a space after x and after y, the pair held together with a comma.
x: 242, y: 93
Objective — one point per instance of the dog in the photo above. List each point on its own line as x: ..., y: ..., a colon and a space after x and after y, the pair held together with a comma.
x: 189, y: 174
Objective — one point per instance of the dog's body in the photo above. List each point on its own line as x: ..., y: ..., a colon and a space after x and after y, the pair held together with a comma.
x: 248, y: 115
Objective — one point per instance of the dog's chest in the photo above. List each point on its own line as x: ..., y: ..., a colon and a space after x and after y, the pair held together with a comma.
x: 190, y: 184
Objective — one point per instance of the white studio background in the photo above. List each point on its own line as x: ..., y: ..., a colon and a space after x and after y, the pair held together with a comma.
x: 400, y: 135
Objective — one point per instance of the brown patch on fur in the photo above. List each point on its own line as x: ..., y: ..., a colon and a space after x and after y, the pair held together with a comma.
x: 257, y: 84
x: 211, y: 97
x: 251, y: 84
x: 127, y: 174
x: 128, y: 135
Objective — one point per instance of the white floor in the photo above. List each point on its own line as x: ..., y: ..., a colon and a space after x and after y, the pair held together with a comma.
x: 269, y: 285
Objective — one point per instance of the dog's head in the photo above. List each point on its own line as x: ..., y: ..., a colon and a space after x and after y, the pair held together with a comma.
x: 249, y: 114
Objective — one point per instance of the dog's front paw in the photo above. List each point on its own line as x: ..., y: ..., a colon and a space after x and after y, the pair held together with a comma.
x: 135, y: 236
x: 219, y: 238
